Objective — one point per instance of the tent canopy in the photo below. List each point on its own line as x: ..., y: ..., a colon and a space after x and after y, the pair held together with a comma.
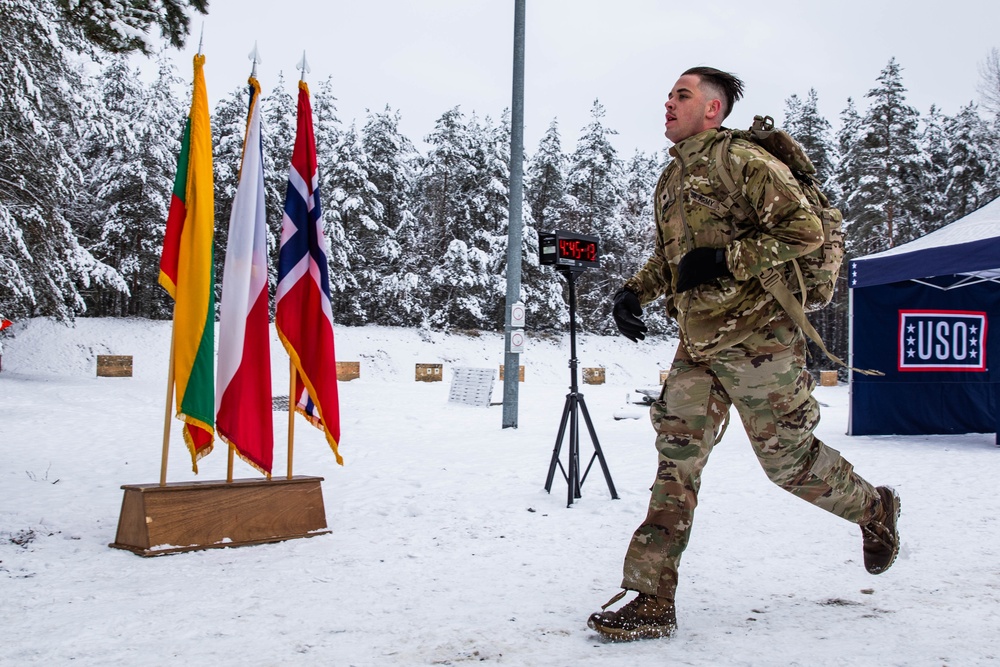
x: 970, y: 245
x: 932, y: 341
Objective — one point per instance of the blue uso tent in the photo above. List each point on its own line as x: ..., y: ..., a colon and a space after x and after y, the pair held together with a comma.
x: 924, y: 313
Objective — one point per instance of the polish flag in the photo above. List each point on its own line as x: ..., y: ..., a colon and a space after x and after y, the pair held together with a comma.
x: 243, y: 395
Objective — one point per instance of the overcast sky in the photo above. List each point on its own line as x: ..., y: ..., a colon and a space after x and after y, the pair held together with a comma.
x: 424, y: 57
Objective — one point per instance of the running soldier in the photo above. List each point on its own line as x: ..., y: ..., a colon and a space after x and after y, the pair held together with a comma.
x: 737, y: 347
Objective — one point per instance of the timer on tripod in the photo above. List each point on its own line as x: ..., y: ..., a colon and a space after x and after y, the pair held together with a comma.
x: 568, y: 249
x: 570, y: 254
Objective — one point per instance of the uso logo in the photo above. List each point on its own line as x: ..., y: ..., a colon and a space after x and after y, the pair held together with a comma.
x: 942, y: 340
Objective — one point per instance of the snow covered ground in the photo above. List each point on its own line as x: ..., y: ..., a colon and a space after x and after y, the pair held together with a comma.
x: 445, y: 549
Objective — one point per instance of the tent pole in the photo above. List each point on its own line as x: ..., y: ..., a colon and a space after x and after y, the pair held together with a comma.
x: 850, y: 359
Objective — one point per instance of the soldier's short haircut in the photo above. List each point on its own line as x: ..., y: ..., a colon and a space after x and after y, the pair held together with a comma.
x: 729, y: 87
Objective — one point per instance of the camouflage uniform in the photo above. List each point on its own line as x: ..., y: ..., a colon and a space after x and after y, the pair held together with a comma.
x: 737, y: 347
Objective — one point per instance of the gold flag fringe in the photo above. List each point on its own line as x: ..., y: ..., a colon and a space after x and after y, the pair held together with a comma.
x: 238, y: 453
x: 195, y: 454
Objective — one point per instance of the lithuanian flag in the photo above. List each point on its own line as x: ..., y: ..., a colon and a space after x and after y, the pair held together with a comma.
x: 188, y: 274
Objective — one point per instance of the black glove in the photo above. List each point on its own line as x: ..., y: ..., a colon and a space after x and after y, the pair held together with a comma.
x: 700, y: 266
x: 626, y: 311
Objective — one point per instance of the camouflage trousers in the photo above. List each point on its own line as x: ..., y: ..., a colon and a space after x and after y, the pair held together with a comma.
x: 765, y: 378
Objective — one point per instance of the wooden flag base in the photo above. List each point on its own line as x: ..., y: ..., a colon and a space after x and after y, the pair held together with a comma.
x: 188, y: 516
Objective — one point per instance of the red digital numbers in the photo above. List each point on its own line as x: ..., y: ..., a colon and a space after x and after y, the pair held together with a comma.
x: 578, y: 250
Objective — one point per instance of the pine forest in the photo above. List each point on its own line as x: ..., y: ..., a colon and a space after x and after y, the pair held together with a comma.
x: 417, y: 236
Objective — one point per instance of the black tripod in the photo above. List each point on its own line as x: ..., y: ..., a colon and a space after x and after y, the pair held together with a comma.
x: 574, y: 399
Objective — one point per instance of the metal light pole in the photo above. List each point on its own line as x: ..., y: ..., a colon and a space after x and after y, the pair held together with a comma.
x: 512, y: 359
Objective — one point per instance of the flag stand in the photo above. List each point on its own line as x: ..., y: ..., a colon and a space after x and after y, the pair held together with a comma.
x: 189, y: 516
x: 167, y: 518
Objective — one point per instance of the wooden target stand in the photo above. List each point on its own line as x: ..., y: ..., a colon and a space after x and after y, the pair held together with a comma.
x: 161, y: 519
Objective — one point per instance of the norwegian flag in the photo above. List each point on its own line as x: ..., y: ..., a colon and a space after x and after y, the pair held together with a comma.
x: 303, y: 316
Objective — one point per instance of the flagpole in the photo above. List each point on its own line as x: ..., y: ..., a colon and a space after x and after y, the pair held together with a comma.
x: 292, y: 400
x: 166, y: 416
x: 303, y: 66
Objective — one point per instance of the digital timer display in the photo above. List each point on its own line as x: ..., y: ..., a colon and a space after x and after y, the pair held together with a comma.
x: 577, y: 249
x: 569, y: 249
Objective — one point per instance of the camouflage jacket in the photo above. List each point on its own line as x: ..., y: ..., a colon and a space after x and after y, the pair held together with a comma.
x: 689, y: 214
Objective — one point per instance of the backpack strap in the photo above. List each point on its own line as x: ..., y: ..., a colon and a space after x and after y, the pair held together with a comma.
x: 771, y: 279
x: 735, y: 201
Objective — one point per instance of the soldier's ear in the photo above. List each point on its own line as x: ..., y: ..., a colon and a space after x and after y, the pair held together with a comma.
x: 713, y: 110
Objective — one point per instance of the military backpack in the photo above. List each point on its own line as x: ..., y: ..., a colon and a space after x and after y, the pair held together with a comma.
x: 813, y: 277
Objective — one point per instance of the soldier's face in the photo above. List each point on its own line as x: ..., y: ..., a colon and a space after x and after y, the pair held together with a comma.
x: 689, y: 110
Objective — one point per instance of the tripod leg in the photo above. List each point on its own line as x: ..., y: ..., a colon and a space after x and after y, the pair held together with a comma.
x: 558, y: 446
x: 573, y: 478
x: 598, y: 452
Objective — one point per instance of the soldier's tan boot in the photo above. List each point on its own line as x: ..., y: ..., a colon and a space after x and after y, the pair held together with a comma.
x: 645, y: 617
x: 881, y: 538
